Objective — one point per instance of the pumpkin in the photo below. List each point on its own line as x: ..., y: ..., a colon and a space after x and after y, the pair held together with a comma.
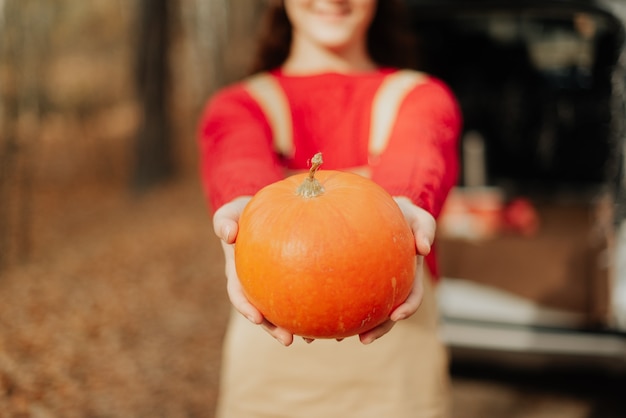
x: 326, y: 254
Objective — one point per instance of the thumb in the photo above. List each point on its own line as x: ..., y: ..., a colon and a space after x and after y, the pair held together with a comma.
x: 226, y: 218
x: 225, y: 229
x: 423, y: 243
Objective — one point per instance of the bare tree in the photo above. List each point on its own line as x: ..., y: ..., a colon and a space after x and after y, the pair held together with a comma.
x: 221, y: 37
x: 154, y: 160
x: 24, y: 30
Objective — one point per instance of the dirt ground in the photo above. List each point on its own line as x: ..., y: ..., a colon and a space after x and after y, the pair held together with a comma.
x: 121, y: 310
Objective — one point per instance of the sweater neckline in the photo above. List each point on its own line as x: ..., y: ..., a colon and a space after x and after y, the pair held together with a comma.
x: 278, y: 72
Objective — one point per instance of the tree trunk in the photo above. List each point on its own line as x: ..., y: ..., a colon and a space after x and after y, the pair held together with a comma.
x: 153, y: 158
x: 24, y: 35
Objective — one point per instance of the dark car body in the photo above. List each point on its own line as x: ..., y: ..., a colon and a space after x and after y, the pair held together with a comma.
x: 542, y: 85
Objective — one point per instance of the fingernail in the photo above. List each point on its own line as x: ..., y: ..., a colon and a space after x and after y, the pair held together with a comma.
x: 280, y: 340
x: 399, y: 317
x: 308, y: 340
x: 368, y: 340
x: 250, y: 318
x: 226, y: 233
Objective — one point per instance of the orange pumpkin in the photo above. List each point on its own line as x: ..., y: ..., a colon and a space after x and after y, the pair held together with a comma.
x: 325, y: 255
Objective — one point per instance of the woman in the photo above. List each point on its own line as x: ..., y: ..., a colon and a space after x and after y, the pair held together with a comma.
x: 327, y: 78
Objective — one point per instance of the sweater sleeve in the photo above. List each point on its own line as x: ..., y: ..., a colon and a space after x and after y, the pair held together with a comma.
x: 235, y: 146
x: 421, y: 159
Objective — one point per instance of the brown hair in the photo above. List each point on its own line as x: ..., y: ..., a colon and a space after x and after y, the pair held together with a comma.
x: 389, y: 40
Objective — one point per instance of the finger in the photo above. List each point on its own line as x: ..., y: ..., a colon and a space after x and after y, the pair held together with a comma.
x: 280, y: 334
x: 241, y: 303
x: 410, y: 306
x: 414, y: 300
x: 422, y: 243
x: 234, y: 290
x: 424, y: 228
x: 308, y: 340
x: 422, y: 224
x: 425, y: 235
x: 225, y: 224
x: 377, y: 332
x: 226, y: 218
x: 226, y: 229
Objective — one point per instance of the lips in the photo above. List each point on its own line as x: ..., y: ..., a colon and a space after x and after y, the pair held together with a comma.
x: 332, y: 12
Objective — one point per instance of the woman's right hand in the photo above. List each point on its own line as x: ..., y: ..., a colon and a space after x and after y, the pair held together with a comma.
x: 226, y: 226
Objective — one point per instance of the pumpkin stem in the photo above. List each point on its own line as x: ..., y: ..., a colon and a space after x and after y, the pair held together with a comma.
x: 310, y: 187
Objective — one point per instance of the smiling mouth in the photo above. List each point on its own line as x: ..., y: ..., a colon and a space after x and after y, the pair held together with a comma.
x: 332, y: 13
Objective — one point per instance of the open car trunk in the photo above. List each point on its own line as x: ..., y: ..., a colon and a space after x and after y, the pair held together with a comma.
x: 530, y: 242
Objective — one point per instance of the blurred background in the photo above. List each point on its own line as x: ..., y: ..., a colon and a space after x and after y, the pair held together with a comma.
x: 112, y: 298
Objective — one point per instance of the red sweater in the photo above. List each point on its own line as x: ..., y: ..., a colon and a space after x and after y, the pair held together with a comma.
x: 331, y: 113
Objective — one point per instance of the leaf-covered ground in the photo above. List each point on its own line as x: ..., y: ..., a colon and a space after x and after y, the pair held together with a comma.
x: 122, y: 316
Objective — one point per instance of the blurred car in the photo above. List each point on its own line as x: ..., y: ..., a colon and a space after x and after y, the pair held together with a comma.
x: 532, y: 240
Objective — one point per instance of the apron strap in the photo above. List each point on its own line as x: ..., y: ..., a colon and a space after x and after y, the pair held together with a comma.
x: 385, y: 106
x: 267, y: 92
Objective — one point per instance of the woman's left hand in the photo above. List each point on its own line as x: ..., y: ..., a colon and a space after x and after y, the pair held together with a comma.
x: 423, y: 225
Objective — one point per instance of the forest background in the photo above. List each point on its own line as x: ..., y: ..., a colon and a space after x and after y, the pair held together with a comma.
x: 111, y: 283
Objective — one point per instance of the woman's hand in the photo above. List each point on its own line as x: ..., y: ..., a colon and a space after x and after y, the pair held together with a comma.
x: 226, y: 226
x: 423, y: 226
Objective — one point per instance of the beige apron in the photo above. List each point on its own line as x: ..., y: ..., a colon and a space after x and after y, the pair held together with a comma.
x: 403, y: 374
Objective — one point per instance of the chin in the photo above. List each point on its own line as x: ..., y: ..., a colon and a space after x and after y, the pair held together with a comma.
x: 335, y: 39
